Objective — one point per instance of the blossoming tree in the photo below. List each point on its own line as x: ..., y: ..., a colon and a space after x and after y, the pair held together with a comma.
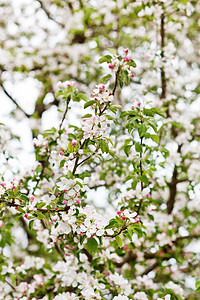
x: 136, y: 146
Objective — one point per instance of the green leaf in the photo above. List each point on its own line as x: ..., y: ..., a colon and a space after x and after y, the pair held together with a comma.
x: 40, y: 215
x: 62, y: 163
x: 30, y: 225
x: 158, y: 111
x: 113, y: 51
x: 105, y: 78
x: 119, y: 241
x: 129, y: 234
x: 41, y: 204
x: 183, y: 2
x: 118, y: 106
x: 121, y: 83
x: 144, y: 179
x: 106, y: 58
x: 104, y: 146
x: 119, y: 220
x: 153, y: 125
x: 111, y: 224
x: 197, y: 284
x: 132, y: 63
x: 20, y: 209
x: 38, y: 169
x: 138, y: 231
x: 142, y: 130
x: 86, y: 116
x: 76, y: 98
x: 154, y: 138
x: 197, y: 290
x: 138, y: 147
x: 127, y: 149
x: 89, y: 103
x: 83, y: 96
x: 23, y: 197
x: 91, y: 245
x: 134, y: 184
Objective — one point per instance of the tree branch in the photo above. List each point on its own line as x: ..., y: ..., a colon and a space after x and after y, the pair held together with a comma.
x: 56, y: 246
x: 10, y: 285
x: 163, y: 76
x: 48, y: 14
x: 13, y: 100
x: 172, y: 191
x: 66, y: 110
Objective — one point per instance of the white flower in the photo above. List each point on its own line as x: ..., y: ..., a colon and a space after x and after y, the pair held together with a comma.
x: 130, y: 216
x: 140, y: 296
x: 42, y: 236
x: 175, y: 287
x: 7, y: 269
x: 120, y: 297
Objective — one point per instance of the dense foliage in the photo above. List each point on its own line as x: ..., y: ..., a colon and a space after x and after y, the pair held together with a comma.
x: 111, y: 208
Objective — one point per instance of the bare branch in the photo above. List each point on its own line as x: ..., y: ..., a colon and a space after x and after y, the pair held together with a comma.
x: 48, y: 14
x: 13, y: 100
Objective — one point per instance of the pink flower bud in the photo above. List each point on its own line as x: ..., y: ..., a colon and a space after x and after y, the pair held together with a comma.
x: 14, y: 187
x: 16, y: 207
x: 119, y: 212
x: 61, y: 152
x: 64, y: 202
x: 126, y: 51
x: 125, y: 247
x: 73, y: 143
x: 132, y: 75
x: 148, y: 195
x: 137, y: 220
x: 123, y: 218
x: 111, y: 66
x: 127, y: 58
x: 79, y: 201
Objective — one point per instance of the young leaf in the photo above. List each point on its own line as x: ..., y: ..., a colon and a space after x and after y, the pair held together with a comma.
x: 89, y: 103
x: 106, y: 58
x: 83, y: 96
x: 105, y: 78
x: 104, y: 146
x: 119, y: 241
x: 91, y: 245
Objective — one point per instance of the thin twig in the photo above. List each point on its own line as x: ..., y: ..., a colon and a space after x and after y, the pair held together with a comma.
x: 116, y: 82
x: 141, y: 173
x: 56, y: 246
x: 10, y: 285
x: 48, y: 14
x: 13, y: 100
x: 66, y: 110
